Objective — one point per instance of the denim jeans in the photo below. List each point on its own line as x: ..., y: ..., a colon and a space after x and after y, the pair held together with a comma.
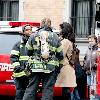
x: 75, y: 94
x: 70, y: 95
x: 91, y: 81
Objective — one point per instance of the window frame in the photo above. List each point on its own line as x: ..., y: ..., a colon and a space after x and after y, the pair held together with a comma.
x: 91, y: 17
x: 8, y: 10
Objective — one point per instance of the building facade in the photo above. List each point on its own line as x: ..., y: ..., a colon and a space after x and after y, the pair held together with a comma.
x: 80, y: 13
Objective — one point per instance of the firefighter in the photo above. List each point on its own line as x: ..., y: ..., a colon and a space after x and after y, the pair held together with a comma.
x: 46, y: 62
x: 18, y: 59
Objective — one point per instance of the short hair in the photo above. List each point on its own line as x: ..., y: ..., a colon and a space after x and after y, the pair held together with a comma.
x: 93, y: 36
x: 46, y: 22
x: 23, y: 28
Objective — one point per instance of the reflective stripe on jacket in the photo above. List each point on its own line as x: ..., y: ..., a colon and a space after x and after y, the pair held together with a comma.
x: 18, y: 58
x: 55, y: 56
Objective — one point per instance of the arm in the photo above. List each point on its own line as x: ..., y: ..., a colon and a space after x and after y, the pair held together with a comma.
x: 59, y: 52
x: 14, y: 57
x: 29, y: 46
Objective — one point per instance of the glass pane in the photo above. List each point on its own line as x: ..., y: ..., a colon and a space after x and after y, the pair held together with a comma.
x: 83, y: 17
x: 14, y: 9
x: 4, y: 11
x: 7, y: 41
x: 83, y: 13
x: 9, y: 10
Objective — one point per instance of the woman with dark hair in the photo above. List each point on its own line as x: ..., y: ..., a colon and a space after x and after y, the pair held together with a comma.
x: 67, y: 77
x: 67, y: 32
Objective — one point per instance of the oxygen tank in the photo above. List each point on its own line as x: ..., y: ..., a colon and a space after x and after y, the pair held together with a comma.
x: 44, y: 44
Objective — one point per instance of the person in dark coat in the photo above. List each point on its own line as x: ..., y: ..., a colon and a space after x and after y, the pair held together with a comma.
x: 18, y: 58
x: 46, y: 62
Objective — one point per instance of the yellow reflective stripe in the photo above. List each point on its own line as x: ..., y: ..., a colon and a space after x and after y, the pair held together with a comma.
x: 38, y: 64
x: 19, y: 74
x: 30, y: 61
x: 21, y: 46
x: 35, y: 47
x: 37, y: 40
x: 29, y: 47
x: 34, y: 61
x: 59, y: 49
x: 47, y: 71
x: 41, y: 70
x: 61, y: 62
x: 37, y: 70
x: 52, y: 62
x: 14, y: 52
x: 24, y: 58
x: 52, y: 48
x: 16, y: 64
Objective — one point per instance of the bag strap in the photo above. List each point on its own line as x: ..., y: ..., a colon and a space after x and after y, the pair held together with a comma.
x: 69, y: 62
x: 67, y: 57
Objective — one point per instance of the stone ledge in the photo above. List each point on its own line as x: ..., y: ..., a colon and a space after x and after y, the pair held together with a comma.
x: 81, y: 40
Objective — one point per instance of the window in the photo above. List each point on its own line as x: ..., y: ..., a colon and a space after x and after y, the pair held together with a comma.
x: 97, y: 18
x: 7, y: 41
x: 9, y: 10
x: 83, y: 17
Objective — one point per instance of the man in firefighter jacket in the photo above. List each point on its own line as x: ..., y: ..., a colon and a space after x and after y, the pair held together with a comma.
x: 46, y: 62
x: 18, y: 59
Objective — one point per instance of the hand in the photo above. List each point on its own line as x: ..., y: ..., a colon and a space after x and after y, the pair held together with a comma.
x: 73, y: 66
x: 58, y: 69
x: 18, y: 69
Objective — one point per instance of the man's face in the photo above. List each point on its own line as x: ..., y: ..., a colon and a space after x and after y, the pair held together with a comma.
x: 91, y: 41
x: 28, y: 30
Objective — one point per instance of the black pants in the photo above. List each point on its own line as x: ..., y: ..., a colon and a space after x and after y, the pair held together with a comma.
x: 81, y: 79
x: 68, y: 95
x: 21, y: 84
x: 48, y: 81
x: 81, y: 85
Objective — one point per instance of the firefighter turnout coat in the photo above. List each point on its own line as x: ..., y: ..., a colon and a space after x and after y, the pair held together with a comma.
x: 18, y: 57
x: 55, y: 53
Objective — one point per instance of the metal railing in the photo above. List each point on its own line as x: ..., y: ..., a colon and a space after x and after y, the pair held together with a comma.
x: 8, y: 19
x: 82, y: 26
x: 9, y: 10
x: 83, y: 17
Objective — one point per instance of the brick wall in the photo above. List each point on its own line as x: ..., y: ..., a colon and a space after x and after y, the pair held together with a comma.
x: 35, y: 10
